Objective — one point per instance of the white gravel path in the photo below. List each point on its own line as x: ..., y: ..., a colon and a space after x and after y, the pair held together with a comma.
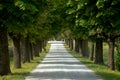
x: 60, y: 65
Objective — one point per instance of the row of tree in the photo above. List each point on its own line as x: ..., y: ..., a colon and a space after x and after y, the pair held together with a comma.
x: 97, y: 21
x: 29, y: 24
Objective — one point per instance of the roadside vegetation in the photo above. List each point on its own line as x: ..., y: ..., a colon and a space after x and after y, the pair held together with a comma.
x: 101, y: 70
x: 29, y: 24
x: 19, y: 74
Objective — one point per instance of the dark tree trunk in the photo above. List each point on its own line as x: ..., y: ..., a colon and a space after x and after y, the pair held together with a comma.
x: 4, y: 53
x: 77, y: 45
x: 91, y: 56
x: 99, y: 51
x: 16, y: 51
x: 71, y: 44
x: 80, y: 45
x: 111, y: 63
x: 40, y: 46
x: 27, y: 50
x: 84, y: 48
x: 31, y: 51
x: 66, y: 41
x: 23, y: 53
x: 44, y: 45
x: 36, y: 49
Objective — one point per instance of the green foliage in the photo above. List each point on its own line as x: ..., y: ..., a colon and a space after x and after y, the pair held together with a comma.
x: 101, y: 70
x: 78, y: 15
x: 108, y: 14
x: 97, y: 16
x: 1, y: 6
x: 118, y: 60
x: 20, y: 4
x: 118, y: 54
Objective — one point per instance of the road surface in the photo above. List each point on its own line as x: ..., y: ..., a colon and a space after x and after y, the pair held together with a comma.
x: 60, y: 65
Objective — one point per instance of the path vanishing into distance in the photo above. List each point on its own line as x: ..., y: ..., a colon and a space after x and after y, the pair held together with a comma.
x: 60, y: 65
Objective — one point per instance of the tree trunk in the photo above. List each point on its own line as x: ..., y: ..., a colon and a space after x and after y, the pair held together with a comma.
x: 117, y: 58
x: 91, y: 56
x: 4, y: 53
x: 99, y: 51
x: 36, y: 49
x: 27, y: 46
x: 77, y: 45
x: 23, y: 53
x: 40, y: 46
x: 16, y: 51
x: 80, y: 45
x: 44, y: 45
x: 31, y: 51
x: 111, y: 63
x: 74, y: 44
x: 84, y: 48
x: 66, y: 41
x: 71, y: 44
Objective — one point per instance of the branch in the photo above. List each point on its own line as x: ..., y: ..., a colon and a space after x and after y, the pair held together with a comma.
x: 105, y: 35
x: 116, y: 36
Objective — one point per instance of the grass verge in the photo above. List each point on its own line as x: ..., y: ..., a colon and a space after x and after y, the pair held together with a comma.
x: 101, y: 70
x: 19, y: 74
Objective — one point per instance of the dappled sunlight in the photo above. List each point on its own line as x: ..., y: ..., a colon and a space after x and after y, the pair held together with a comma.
x: 63, y: 70
x: 55, y: 42
x: 60, y: 65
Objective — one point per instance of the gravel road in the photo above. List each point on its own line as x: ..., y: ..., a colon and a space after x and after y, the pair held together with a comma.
x: 60, y: 65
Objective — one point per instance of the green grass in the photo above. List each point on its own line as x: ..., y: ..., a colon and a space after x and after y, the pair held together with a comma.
x: 19, y: 74
x: 101, y: 70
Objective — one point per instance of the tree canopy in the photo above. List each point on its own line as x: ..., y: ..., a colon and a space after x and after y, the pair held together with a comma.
x: 71, y: 19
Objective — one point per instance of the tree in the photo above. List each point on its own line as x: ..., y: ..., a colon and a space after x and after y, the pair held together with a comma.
x: 91, y: 56
x: 84, y: 12
x: 4, y: 54
x: 117, y: 60
x: 109, y: 21
x: 23, y: 17
x: 16, y: 17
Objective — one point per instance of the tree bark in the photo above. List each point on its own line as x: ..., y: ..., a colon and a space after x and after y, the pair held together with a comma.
x: 66, y: 41
x: 91, y: 56
x: 111, y: 63
x: 71, y: 44
x: 84, y: 48
x: 16, y: 51
x: 36, y: 49
x: 40, y: 46
x: 31, y: 51
x: 99, y: 51
x: 4, y: 53
x: 23, y: 53
x: 27, y: 50
x: 80, y: 45
x: 77, y: 45
x: 74, y: 44
x: 44, y: 45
